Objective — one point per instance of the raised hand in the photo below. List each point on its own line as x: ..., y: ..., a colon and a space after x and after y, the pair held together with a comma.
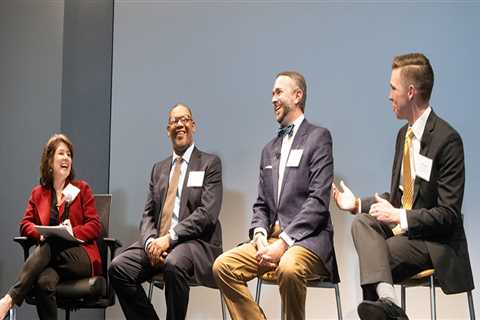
x: 345, y: 199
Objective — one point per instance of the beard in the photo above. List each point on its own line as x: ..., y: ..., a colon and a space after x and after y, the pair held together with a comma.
x: 284, y: 110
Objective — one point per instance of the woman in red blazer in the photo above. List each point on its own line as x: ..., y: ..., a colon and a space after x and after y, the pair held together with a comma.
x: 56, y: 259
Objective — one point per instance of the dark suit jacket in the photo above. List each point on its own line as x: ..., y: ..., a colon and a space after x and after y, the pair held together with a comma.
x: 303, y: 206
x: 82, y: 214
x: 436, y: 213
x: 199, y: 209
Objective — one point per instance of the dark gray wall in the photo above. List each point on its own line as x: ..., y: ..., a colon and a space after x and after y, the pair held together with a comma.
x: 55, y: 62
x: 86, y: 86
x: 31, y: 36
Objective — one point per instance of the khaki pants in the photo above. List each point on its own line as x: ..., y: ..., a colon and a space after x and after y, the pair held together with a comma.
x: 234, y: 268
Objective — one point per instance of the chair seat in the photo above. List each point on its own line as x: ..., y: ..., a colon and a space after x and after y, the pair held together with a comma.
x: 420, y: 279
x: 83, y: 288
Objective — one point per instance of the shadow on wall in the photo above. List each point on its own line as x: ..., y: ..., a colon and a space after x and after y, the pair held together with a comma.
x: 235, y: 218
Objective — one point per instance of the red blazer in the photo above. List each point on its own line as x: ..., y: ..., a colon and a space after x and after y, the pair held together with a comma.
x: 82, y: 214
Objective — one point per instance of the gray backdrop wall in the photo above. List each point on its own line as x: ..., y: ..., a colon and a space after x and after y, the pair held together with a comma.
x: 220, y: 57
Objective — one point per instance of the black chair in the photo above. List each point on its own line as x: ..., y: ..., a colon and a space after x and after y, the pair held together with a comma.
x: 88, y: 293
x: 270, y: 278
x: 157, y: 281
x: 426, y: 278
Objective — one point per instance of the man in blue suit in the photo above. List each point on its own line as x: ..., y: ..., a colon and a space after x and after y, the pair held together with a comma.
x: 291, y: 229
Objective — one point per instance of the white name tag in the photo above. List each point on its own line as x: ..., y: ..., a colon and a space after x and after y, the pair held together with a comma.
x: 294, y: 157
x: 195, y: 178
x: 423, y: 167
x: 70, y: 192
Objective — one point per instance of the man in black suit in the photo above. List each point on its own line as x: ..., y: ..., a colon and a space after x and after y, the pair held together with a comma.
x: 291, y: 229
x: 419, y: 224
x: 180, y: 235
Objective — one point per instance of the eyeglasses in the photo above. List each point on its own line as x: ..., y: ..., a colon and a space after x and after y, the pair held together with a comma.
x: 184, y: 120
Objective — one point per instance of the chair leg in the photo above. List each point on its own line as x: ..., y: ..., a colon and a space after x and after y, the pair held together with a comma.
x: 339, y: 305
x: 433, y: 304
x: 403, y: 297
x: 258, y: 292
x: 471, y: 309
x: 150, y: 291
x: 224, y: 307
x: 13, y: 314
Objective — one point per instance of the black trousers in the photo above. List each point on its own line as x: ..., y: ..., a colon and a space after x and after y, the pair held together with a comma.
x: 384, y: 257
x: 52, y: 261
x: 132, y: 267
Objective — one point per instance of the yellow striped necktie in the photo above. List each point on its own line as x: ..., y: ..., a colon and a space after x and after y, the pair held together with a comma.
x: 407, y: 198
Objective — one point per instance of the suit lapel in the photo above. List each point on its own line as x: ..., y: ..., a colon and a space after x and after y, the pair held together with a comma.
x: 44, y: 205
x: 397, y: 168
x: 276, y: 149
x: 193, y: 165
x: 297, y: 143
x: 163, y: 182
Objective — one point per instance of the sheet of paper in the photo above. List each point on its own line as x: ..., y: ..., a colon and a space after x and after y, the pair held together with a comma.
x: 59, y: 231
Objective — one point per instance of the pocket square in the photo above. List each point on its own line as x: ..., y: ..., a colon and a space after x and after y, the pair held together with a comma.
x: 267, y: 167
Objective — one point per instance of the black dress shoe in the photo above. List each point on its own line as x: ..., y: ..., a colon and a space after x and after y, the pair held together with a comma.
x: 382, y: 309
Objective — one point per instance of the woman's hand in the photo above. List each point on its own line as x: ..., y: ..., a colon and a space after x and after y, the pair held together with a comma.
x: 67, y: 224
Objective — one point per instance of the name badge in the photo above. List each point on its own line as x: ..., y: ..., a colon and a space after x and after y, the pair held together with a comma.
x: 70, y: 192
x: 423, y: 167
x: 294, y: 157
x: 195, y: 178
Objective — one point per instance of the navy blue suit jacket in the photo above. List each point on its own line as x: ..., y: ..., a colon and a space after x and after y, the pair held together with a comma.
x: 303, y: 205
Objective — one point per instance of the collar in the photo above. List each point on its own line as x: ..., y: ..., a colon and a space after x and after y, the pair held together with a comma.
x: 419, y: 125
x: 186, y: 156
x: 296, y: 124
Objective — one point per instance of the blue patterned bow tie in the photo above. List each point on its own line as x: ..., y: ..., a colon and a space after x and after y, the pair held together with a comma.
x: 286, y: 130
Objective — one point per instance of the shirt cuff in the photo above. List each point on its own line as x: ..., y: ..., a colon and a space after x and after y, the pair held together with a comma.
x: 261, y: 230
x: 147, y: 243
x: 173, y: 235
x: 285, y: 237
x: 403, y: 220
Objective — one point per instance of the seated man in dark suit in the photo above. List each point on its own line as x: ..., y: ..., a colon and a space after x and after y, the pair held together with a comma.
x: 291, y: 229
x: 419, y: 224
x: 180, y: 234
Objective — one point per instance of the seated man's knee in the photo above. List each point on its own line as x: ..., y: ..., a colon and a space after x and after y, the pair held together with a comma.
x: 114, y: 271
x: 219, y: 265
x: 360, y: 221
x: 288, y: 270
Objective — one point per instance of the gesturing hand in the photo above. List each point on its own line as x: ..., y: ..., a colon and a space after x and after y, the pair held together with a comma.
x: 383, y: 211
x: 345, y: 200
